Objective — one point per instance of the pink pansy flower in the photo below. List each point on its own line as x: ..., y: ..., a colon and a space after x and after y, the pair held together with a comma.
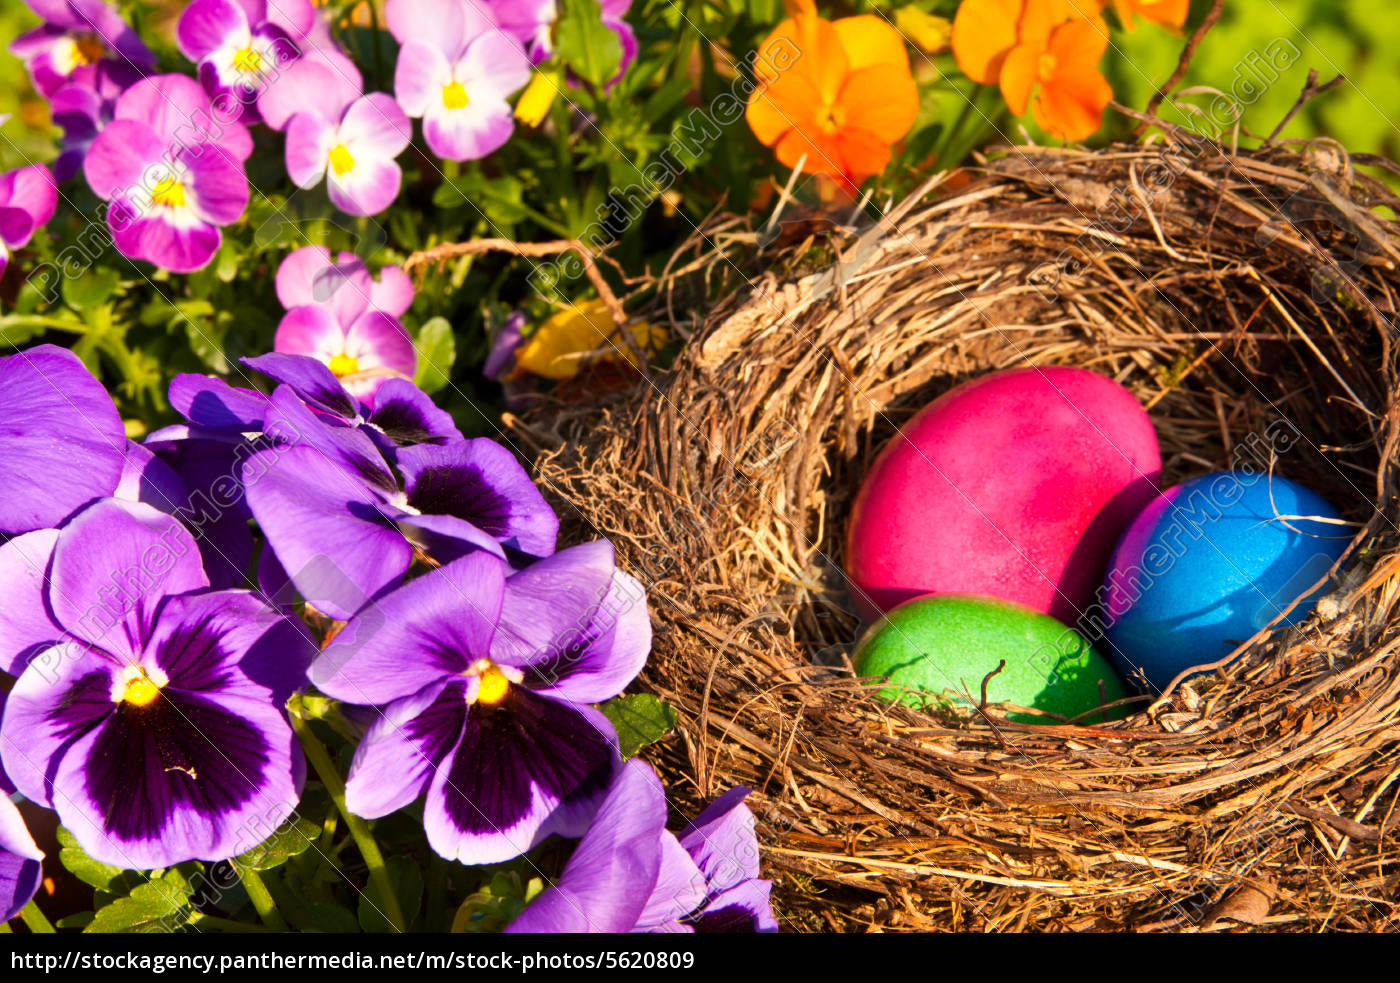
x: 337, y: 313
x: 337, y: 134
x: 456, y: 70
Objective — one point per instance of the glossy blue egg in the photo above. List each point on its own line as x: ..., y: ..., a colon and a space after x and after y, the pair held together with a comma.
x: 1208, y: 564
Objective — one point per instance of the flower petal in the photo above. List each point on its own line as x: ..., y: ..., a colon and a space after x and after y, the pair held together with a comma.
x: 367, y: 188
x: 375, y: 126
x: 395, y: 760
x: 20, y: 860
x: 869, y: 40
x: 216, y: 186
x: 311, y: 331
x: 436, y: 625
x: 605, y: 884
x: 419, y: 77
x: 25, y: 626
x: 180, y: 245
x: 983, y: 32
x: 309, y: 141
x: 407, y: 415
x: 526, y: 768
x: 205, y: 26
x: 64, y: 441
x: 470, y: 132
x: 120, y: 157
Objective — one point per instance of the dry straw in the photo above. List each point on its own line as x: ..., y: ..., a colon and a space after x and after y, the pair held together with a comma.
x: 1229, y: 291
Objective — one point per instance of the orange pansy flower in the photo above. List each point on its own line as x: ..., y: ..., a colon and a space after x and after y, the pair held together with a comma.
x: 1047, y: 47
x: 839, y: 92
x: 1169, y: 12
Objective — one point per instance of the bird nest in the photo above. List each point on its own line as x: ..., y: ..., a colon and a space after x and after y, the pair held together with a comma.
x: 1238, y: 295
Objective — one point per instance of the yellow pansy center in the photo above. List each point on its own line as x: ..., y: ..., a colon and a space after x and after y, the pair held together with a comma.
x: 494, y: 686
x: 247, y: 60
x: 454, y: 95
x: 87, y: 50
x: 169, y: 192
x: 1048, y: 64
x: 137, y: 687
x: 341, y: 160
x: 830, y: 118
x: 344, y: 364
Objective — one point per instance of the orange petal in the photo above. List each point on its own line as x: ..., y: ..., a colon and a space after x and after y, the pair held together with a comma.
x: 882, y: 100
x: 870, y: 40
x: 1040, y: 17
x: 777, y: 53
x: 1170, y: 12
x: 983, y: 32
x: 1019, y: 73
x: 1079, y: 43
x: 775, y: 109
x: 822, y: 151
x: 1070, y: 106
x: 862, y: 153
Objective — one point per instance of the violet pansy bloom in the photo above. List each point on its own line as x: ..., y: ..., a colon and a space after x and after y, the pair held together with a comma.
x: 708, y: 881
x: 485, y: 684
x: 84, y: 42
x: 64, y: 440
x: 171, y: 165
x: 456, y: 69
x: 606, y: 884
x: 340, y: 316
x: 533, y: 22
x: 153, y: 726
x: 21, y: 859
x: 331, y: 506
x: 628, y: 874
x: 337, y: 134
x: 82, y: 113
x: 240, y: 46
x: 28, y: 198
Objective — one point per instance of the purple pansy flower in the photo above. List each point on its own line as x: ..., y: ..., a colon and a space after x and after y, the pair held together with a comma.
x: 21, y: 866
x: 533, y: 21
x: 336, y: 133
x: 709, y: 875
x: 456, y: 69
x: 485, y: 684
x: 628, y: 874
x: 82, y: 113
x: 28, y: 198
x: 240, y: 46
x: 84, y: 42
x: 330, y: 504
x: 153, y: 725
x: 340, y: 316
x: 64, y: 440
x: 171, y: 165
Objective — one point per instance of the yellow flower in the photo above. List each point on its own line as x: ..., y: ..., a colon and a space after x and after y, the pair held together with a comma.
x: 538, y: 96
x: 579, y: 335
x: 930, y: 32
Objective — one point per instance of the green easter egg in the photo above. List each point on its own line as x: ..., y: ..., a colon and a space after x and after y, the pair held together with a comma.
x: 944, y: 645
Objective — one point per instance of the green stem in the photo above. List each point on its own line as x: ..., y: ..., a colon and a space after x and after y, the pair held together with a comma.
x: 35, y: 919
x: 359, y: 830
x: 376, y: 38
x: 262, y: 901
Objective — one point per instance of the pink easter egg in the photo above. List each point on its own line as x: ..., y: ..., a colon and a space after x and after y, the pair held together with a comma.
x: 1015, y: 485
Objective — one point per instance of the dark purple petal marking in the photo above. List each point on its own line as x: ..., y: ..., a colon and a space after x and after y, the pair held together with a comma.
x: 178, y: 752
x: 524, y: 741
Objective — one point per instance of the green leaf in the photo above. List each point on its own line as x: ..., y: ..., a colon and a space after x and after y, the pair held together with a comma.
x: 408, y: 886
x: 437, y: 350
x: 89, y: 290
x: 102, y: 876
x: 80, y: 920
x: 291, y: 839
x: 585, y: 43
x: 158, y: 905
x: 640, y: 719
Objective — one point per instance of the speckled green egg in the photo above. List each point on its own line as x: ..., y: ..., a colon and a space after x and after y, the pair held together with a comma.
x: 944, y: 645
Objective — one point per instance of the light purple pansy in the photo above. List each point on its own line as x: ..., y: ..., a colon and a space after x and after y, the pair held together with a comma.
x: 346, y: 526
x: 339, y: 315
x: 28, y: 198
x: 242, y: 46
x: 456, y: 69
x: 153, y: 725
x: 337, y: 134
x: 533, y: 22
x: 628, y: 874
x: 84, y: 42
x: 485, y: 684
x: 171, y: 166
x: 64, y: 443
x: 21, y: 860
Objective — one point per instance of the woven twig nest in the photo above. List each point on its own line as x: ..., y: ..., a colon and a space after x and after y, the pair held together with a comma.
x: 1229, y: 291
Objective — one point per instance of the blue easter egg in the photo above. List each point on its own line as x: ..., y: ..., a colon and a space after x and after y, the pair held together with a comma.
x: 1208, y: 564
